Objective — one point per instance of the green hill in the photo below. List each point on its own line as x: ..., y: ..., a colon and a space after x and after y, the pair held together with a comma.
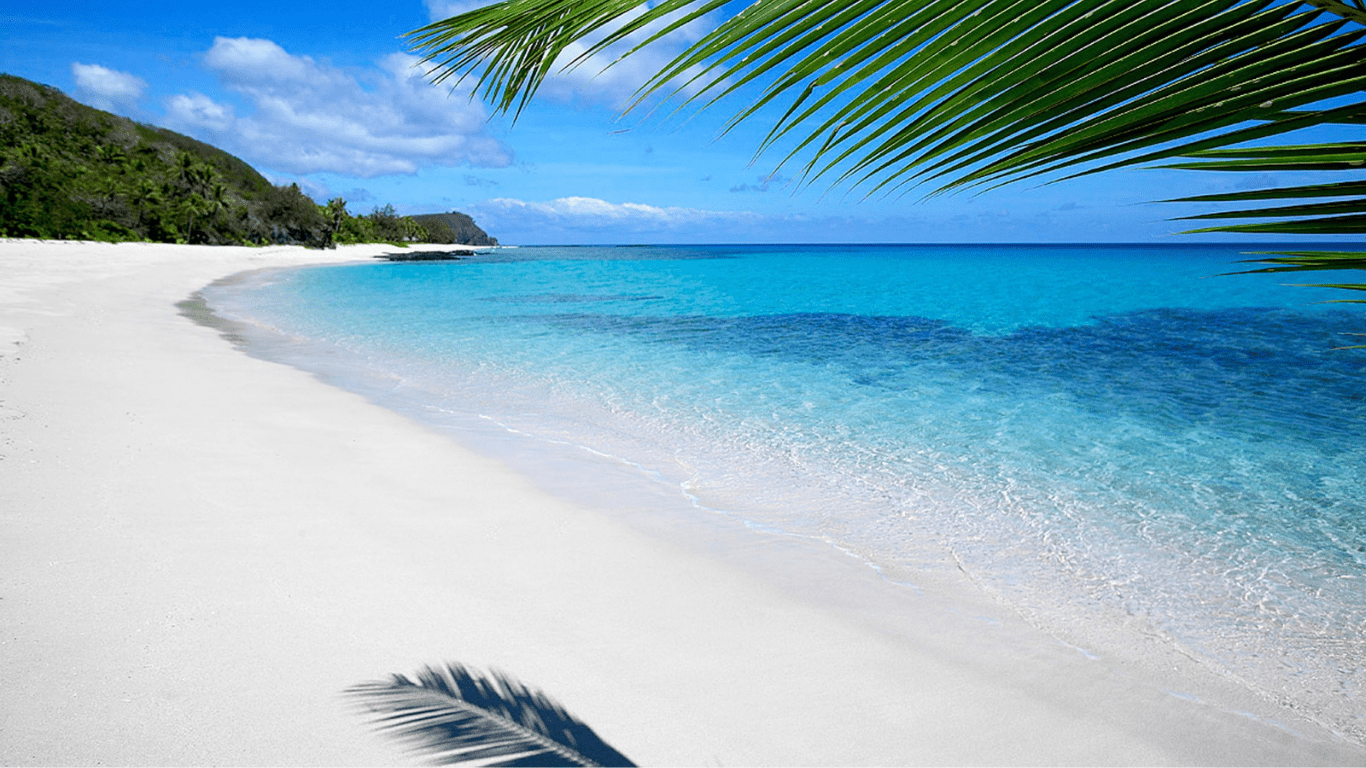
x: 69, y: 171
x: 462, y: 227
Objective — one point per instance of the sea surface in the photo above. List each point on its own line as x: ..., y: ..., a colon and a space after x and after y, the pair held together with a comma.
x: 1112, y: 440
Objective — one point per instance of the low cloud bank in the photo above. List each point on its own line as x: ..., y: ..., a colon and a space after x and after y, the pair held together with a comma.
x: 592, y: 215
x: 589, y: 220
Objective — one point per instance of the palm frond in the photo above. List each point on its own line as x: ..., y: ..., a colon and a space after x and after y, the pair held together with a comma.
x: 891, y: 95
x: 1345, y: 213
x: 1306, y: 261
x: 890, y: 92
x: 1313, y: 261
x: 1335, y: 189
x: 456, y: 715
x: 1342, y: 210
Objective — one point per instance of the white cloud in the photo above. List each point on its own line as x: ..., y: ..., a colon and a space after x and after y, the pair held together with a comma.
x: 246, y: 61
x: 310, y: 117
x: 107, y: 89
x: 593, y: 81
x: 590, y: 214
x: 198, y: 109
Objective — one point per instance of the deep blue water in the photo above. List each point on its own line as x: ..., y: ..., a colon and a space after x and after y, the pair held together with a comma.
x: 1090, y: 431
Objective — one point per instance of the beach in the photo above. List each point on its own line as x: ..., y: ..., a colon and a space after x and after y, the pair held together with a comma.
x: 200, y: 551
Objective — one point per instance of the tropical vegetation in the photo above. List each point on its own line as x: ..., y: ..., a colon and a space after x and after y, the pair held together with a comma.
x: 68, y: 171
x: 890, y: 96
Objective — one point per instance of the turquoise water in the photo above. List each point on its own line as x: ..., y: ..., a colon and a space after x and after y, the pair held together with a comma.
x: 1108, y: 439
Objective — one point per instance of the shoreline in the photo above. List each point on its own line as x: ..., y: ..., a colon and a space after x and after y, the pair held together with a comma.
x: 202, y: 550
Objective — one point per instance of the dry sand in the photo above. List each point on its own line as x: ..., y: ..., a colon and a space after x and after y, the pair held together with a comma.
x: 200, y: 550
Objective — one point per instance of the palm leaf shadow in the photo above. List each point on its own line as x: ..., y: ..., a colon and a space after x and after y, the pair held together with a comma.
x: 457, y: 715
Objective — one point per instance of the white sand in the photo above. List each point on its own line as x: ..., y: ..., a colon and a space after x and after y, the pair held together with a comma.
x: 200, y: 550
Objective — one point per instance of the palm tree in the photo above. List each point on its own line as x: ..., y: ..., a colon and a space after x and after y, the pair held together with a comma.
x: 144, y: 193
x: 217, y: 200
x: 941, y: 95
x: 335, y: 214
x: 192, y: 206
x: 187, y: 172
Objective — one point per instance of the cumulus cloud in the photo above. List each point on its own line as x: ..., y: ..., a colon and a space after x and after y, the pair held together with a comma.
x: 107, y: 89
x: 593, y: 81
x: 308, y: 116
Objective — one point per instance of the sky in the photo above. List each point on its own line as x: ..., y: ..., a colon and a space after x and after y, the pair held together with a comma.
x: 327, y: 95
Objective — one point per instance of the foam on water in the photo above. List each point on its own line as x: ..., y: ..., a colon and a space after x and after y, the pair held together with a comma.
x: 1113, y: 445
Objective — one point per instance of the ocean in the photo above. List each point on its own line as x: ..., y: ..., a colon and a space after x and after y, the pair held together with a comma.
x: 1114, y: 441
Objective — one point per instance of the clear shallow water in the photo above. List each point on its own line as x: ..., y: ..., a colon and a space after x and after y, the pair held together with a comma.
x: 1118, y: 445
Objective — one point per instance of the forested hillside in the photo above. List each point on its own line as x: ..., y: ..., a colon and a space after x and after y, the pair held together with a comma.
x: 68, y: 171
x: 461, y: 225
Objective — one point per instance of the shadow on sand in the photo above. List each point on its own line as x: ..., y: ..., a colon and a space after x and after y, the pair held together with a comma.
x: 456, y: 715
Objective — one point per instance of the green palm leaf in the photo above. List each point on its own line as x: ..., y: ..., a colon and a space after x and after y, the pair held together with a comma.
x: 1342, y: 212
x: 1299, y: 261
x: 1336, y: 189
x: 891, y: 95
x: 887, y: 90
x: 456, y: 715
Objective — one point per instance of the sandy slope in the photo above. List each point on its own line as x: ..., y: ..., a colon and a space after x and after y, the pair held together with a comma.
x: 200, y: 550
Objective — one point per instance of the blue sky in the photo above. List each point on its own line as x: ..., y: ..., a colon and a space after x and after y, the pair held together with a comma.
x: 325, y: 95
